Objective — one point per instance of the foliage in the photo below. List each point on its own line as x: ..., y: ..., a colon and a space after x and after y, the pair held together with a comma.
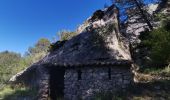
x: 157, y: 71
x: 38, y: 51
x: 162, y: 17
x: 9, y: 63
x: 66, y: 35
x: 17, y: 93
x: 12, y: 63
x: 158, y: 41
x: 56, y: 45
x: 41, y: 46
x: 152, y: 70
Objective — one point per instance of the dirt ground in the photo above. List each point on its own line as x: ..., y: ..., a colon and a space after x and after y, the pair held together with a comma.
x: 149, y: 87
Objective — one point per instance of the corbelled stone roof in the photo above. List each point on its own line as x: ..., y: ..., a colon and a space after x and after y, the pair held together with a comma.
x: 98, y: 46
x: 99, y: 43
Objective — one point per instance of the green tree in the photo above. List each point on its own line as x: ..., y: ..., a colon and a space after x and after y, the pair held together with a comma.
x: 38, y: 51
x: 41, y: 46
x: 9, y: 64
x: 158, y: 41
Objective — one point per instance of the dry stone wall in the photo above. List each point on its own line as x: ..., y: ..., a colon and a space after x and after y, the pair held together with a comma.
x: 95, y: 80
x: 43, y: 92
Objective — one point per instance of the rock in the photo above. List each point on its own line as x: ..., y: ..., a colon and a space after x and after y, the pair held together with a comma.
x: 157, y: 87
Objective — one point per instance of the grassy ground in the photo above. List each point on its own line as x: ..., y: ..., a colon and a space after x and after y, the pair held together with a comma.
x: 151, y: 84
x: 158, y: 71
x: 17, y: 93
x: 158, y: 90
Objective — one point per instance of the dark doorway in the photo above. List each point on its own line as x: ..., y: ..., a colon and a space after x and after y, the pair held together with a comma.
x: 56, y: 82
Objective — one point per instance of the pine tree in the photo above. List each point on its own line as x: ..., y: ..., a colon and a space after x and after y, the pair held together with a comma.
x: 135, y: 7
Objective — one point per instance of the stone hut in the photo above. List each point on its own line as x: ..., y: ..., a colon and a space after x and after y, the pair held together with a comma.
x: 92, y: 62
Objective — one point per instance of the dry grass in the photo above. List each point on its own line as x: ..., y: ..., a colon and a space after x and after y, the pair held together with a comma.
x: 153, y: 85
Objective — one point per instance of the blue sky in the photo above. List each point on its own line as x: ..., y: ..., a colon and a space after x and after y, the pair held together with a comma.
x: 23, y: 22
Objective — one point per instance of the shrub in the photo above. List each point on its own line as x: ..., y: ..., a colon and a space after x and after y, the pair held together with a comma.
x: 66, y: 35
x: 158, y: 42
x: 56, y: 45
x: 9, y: 65
x: 17, y: 93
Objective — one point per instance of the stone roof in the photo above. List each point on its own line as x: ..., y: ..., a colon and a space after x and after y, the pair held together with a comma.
x: 98, y: 46
x: 99, y: 43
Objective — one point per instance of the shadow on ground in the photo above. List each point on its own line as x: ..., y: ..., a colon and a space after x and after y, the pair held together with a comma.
x: 157, y: 90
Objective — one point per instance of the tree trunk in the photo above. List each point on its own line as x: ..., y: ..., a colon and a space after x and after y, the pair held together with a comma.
x: 143, y: 14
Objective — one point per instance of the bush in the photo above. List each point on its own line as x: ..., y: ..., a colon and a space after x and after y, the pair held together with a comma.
x: 17, y: 93
x: 66, y: 35
x: 9, y: 65
x: 56, y: 45
x: 158, y: 42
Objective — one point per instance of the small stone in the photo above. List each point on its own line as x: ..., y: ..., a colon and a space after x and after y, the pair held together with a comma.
x: 157, y: 87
